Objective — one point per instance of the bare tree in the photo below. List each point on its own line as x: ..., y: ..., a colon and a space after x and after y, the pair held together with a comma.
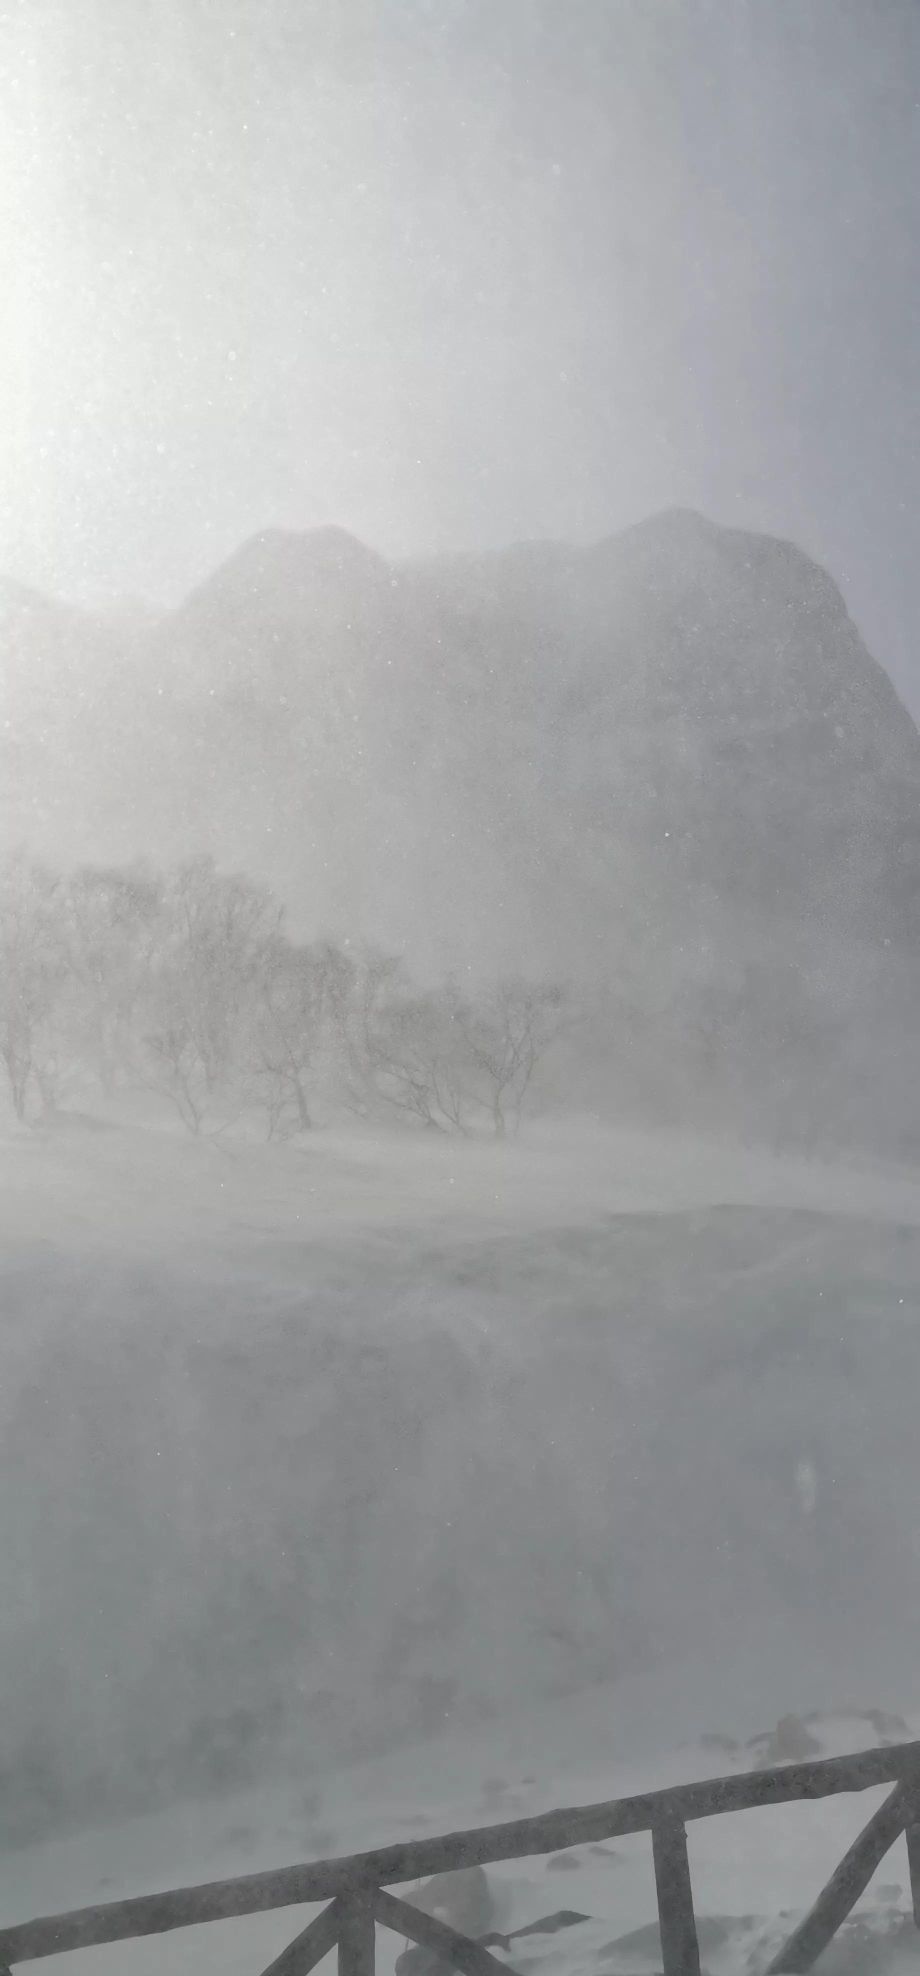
x: 112, y: 921
x: 403, y: 1049
x: 442, y: 1058
x: 189, y: 981
x: 33, y: 975
x: 418, y: 1063
x: 298, y: 1011
x: 507, y: 1032
x: 215, y: 932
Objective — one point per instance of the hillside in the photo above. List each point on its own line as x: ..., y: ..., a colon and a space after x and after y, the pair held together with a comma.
x: 310, y: 1453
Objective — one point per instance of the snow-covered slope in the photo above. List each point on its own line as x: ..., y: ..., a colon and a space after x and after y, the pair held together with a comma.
x: 313, y: 1452
x: 754, y: 1873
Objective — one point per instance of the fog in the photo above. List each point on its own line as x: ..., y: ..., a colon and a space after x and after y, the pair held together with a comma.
x: 459, y: 930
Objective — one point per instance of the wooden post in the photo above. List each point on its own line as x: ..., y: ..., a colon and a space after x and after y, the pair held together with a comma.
x: 357, y: 1929
x: 912, y: 1830
x: 680, y: 1953
x: 844, y: 1887
x: 308, y: 1948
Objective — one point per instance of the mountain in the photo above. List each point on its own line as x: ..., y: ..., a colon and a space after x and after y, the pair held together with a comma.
x: 665, y: 762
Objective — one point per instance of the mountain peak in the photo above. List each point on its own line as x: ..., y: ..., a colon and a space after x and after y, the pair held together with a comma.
x: 289, y: 568
x: 329, y: 544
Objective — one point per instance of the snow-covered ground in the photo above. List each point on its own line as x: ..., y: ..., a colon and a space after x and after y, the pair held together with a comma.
x: 754, y: 1873
x: 504, y: 1474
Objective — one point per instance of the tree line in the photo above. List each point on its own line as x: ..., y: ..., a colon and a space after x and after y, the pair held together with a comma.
x: 186, y: 983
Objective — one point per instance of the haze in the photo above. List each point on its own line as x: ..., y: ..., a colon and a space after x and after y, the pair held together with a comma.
x: 459, y: 950
x: 458, y: 274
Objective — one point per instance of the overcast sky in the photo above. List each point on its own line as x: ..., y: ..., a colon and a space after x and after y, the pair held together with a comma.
x: 453, y: 272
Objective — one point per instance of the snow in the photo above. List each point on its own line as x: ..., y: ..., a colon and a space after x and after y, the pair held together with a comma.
x: 647, y: 1402
x: 757, y: 1870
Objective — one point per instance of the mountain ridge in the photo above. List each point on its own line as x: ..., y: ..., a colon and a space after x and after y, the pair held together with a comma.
x: 650, y: 763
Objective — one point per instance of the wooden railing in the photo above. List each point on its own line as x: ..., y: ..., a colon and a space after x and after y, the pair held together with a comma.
x: 356, y: 1887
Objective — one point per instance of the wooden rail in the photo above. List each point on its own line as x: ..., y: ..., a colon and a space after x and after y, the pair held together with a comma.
x: 355, y: 1885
